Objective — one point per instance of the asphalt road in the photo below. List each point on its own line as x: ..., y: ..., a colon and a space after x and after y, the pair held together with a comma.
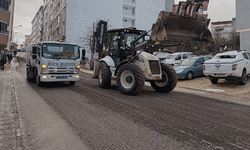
x: 107, y: 119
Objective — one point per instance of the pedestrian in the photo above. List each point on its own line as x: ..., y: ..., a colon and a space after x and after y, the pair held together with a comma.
x: 15, y: 53
x: 2, y: 63
x: 10, y: 58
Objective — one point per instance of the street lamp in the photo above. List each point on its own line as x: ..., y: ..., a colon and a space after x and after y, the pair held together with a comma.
x: 14, y: 32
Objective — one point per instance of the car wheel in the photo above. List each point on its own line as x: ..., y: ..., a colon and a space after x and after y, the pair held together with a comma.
x: 214, y: 81
x: 190, y: 75
x: 243, y: 78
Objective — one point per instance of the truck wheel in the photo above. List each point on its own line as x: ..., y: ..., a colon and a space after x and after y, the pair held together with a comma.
x: 27, y: 75
x: 243, y: 79
x: 168, y: 82
x: 130, y: 79
x: 38, y: 82
x: 190, y: 75
x: 72, y: 82
x: 214, y: 81
x: 104, y: 75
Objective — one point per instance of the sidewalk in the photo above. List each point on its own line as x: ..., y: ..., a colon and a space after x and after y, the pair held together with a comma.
x: 9, y: 124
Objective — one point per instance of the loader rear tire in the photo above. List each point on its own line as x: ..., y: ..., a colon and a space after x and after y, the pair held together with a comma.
x: 130, y: 79
x: 168, y: 82
x: 104, y: 76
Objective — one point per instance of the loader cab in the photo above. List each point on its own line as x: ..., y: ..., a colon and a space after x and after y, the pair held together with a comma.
x: 119, y: 41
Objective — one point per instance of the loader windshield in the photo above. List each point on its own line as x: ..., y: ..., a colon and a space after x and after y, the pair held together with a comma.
x: 129, y: 37
x: 60, y: 51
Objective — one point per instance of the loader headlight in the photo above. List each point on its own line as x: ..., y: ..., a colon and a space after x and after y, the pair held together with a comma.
x: 44, y: 69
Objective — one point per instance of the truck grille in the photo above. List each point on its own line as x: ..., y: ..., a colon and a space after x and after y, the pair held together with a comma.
x: 61, y: 71
x: 154, y: 66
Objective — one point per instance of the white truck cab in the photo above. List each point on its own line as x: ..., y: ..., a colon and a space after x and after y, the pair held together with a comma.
x: 52, y: 61
x: 176, y: 58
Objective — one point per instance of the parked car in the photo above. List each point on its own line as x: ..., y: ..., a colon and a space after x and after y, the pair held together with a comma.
x: 191, y: 67
x: 162, y: 56
x: 227, y: 65
x: 176, y: 58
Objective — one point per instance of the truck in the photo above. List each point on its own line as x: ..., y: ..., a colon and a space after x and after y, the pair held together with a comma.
x: 228, y: 65
x: 51, y: 61
x: 125, y: 55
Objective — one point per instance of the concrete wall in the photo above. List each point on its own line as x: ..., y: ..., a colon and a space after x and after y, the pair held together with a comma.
x: 243, y: 22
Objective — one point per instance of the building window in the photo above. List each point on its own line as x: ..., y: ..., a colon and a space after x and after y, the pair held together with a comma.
x: 133, y: 11
x: 4, y: 5
x: 3, y: 27
x: 133, y: 23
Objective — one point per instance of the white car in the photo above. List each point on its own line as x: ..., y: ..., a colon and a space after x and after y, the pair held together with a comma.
x: 176, y: 58
x: 231, y: 64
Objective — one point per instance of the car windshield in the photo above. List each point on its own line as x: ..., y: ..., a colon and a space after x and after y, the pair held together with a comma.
x: 60, y: 51
x: 170, y: 57
x: 188, y: 62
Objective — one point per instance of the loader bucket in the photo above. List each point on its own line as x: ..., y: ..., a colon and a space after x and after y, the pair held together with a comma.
x: 173, y: 28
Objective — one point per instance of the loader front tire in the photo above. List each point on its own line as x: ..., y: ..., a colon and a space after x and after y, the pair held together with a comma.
x: 168, y: 82
x: 104, y: 75
x: 130, y: 79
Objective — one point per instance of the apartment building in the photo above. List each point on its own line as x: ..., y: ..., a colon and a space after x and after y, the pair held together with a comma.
x: 69, y: 20
x: 37, y: 26
x: 243, y: 23
x: 28, y: 40
x: 5, y: 16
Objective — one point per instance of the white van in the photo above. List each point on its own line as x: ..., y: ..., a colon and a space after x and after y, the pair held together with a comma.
x: 176, y: 58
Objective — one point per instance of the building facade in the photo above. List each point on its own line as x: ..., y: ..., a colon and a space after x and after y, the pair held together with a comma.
x: 10, y: 26
x: 243, y: 23
x: 202, y: 10
x: 4, y: 23
x: 222, y: 31
x: 37, y: 26
x: 70, y: 20
x: 27, y: 40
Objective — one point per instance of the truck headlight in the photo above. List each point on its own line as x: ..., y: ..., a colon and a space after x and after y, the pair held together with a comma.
x: 77, y: 69
x: 44, y: 69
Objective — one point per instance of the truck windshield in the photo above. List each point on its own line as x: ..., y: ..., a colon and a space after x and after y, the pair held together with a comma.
x: 60, y: 51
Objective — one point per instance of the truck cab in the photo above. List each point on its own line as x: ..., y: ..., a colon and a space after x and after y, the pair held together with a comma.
x: 52, y: 61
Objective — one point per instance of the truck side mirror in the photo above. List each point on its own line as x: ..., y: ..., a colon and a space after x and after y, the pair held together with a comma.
x: 83, y: 54
x: 34, y: 50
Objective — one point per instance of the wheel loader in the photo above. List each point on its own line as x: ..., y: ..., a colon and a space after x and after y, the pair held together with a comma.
x: 124, y: 54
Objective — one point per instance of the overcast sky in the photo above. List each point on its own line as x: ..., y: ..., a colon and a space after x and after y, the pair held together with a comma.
x: 25, y: 10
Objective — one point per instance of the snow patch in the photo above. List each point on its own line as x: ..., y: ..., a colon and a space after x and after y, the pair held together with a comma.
x: 215, y: 90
